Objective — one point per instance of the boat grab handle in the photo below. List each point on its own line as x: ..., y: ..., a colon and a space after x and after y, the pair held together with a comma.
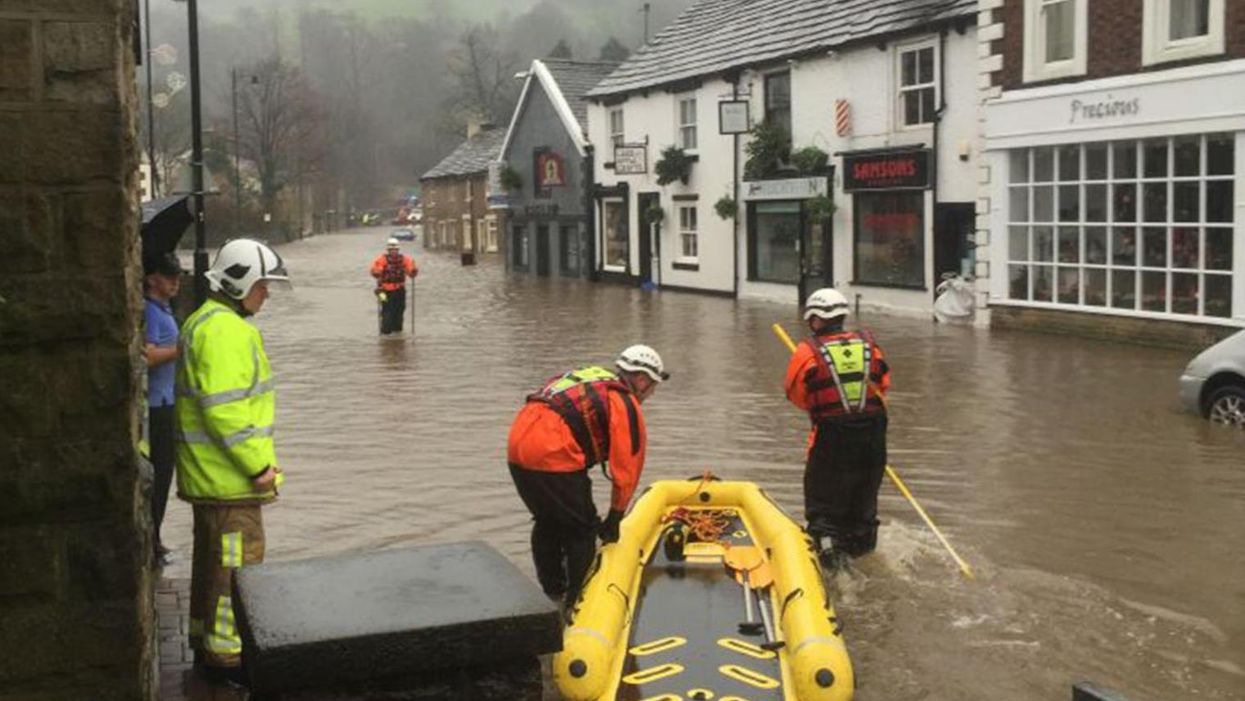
x: 795, y: 593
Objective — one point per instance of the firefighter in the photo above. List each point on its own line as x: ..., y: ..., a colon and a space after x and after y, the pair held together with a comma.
x: 226, y: 460
x: 840, y: 378
x: 391, y: 269
x: 579, y: 419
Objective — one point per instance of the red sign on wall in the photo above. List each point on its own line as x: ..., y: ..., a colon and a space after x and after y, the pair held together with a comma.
x: 886, y: 171
x: 550, y: 170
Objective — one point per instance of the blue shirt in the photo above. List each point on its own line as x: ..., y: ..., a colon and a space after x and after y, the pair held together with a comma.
x: 161, y: 331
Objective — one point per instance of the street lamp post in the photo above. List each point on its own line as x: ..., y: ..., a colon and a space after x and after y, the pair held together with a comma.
x: 153, y: 179
x: 196, y: 154
x: 237, y: 159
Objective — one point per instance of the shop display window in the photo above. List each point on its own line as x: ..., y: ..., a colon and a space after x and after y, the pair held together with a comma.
x: 1132, y: 225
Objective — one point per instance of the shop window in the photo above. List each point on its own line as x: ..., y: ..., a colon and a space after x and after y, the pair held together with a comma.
x: 774, y: 240
x: 890, y: 239
x: 1055, y: 39
x: 491, y: 228
x: 617, y: 246
x: 685, y: 116
x: 1175, y: 30
x: 918, y: 85
x: 689, y: 244
x: 1132, y: 225
x: 778, y: 101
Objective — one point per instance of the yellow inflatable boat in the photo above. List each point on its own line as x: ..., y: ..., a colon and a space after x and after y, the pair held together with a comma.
x: 711, y: 592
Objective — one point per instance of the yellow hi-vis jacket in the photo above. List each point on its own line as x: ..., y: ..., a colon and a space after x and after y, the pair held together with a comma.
x: 225, y: 407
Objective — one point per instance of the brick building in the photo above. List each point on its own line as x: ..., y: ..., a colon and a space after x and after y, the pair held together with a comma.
x: 455, y: 197
x: 1113, y: 192
x: 76, y: 589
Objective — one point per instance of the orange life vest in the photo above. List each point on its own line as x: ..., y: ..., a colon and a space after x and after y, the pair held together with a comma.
x: 580, y: 397
x: 845, y: 384
x: 395, y: 270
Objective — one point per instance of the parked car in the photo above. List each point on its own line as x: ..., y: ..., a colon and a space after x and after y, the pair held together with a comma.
x: 404, y: 234
x: 1213, y: 384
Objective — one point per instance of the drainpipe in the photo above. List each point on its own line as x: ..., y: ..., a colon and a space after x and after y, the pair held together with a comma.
x: 938, y: 114
x: 735, y: 190
x: 590, y: 230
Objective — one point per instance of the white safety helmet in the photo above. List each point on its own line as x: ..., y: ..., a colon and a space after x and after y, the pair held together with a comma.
x: 641, y: 358
x: 827, y: 303
x: 392, y: 243
x: 240, y: 264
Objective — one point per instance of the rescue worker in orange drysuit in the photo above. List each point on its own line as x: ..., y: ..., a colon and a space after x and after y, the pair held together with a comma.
x: 840, y: 378
x: 579, y: 419
x: 391, y: 269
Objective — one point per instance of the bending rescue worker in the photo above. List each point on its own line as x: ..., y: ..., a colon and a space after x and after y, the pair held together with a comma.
x: 840, y: 378
x: 226, y: 462
x: 584, y: 417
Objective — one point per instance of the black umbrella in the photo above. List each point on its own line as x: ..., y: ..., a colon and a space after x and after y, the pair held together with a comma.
x: 164, y: 222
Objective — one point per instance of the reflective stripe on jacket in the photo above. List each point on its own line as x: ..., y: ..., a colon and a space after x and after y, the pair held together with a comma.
x: 588, y: 407
x: 225, y: 407
x: 838, y: 376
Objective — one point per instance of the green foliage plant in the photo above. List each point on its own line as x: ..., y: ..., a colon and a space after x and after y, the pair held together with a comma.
x: 511, y: 181
x: 767, y: 151
x: 726, y: 207
x: 820, y: 208
x: 673, y: 165
x: 810, y: 160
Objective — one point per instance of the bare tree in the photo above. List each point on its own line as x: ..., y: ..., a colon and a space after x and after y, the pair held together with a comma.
x: 483, y: 75
x: 280, y: 125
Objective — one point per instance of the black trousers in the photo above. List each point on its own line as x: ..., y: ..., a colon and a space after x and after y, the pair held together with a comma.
x: 393, y: 311
x: 160, y: 430
x: 564, y: 528
x: 841, y: 482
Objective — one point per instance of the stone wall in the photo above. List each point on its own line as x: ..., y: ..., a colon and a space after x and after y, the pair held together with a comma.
x: 1179, y: 335
x: 76, y: 614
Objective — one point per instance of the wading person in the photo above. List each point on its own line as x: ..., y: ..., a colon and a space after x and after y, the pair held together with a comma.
x: 391, y: 269
x: 577, y: 420
x: 161, y: 282
x: 226, y: 462
x: 840, y: 378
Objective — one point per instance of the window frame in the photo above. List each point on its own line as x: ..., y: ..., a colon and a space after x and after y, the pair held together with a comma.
x: 765, y: 99
x: 1157, y: 46
x: 1139, y: 222
x: 1036, y: 67
x: 922, y: 245
x: 681, y: 127
x: 617, y: 132
x: 686, y: 233
x: 901, y: 90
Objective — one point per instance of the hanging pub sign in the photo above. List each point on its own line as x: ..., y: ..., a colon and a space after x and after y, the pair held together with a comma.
x: 550, y: 170
x: 892, y: 170
x: 630, y: 160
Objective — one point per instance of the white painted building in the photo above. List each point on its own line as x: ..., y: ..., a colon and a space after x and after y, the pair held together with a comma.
x: 902, y: 216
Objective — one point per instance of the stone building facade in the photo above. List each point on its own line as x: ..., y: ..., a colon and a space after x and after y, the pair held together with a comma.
x: 454, y: 194
x: 76, y: 591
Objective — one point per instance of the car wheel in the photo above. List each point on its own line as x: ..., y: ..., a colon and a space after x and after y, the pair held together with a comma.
x: 1227, y: 406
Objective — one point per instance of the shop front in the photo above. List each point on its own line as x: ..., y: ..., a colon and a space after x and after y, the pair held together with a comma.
x: 1122, y: 196
x: 789, y: 237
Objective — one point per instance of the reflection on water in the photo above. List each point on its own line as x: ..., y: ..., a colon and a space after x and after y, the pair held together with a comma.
x: 1107, y: 526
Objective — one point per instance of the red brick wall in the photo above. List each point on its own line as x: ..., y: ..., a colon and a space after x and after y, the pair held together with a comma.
x: 1114, y: 40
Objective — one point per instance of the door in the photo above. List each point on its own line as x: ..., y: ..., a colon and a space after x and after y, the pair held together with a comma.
x: 650, y: 250
x: 542, y: 250
x: 954, y: 223
x: 816, y: 254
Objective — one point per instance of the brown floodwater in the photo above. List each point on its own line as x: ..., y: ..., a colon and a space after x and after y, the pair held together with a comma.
x: 1106, y: 526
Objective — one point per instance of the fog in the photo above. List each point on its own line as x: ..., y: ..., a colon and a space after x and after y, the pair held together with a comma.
x: 352, y: 100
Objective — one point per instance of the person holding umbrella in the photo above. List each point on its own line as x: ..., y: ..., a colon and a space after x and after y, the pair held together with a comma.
x: 161, y: 283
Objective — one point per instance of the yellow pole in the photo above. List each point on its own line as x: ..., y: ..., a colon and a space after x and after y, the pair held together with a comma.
x: 894, y: 476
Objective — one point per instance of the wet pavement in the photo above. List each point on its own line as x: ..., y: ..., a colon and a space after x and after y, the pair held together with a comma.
x: 1105, y: 524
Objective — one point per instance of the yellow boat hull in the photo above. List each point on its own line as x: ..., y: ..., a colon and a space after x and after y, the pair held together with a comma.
x: 607, y: 652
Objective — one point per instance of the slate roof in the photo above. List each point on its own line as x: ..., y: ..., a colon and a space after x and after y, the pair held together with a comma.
x: 575, y: 79
x: 471, y: 157
x: 714, y: 36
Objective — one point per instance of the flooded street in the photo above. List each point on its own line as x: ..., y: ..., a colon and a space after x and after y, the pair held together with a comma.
x: 1106, y: 526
